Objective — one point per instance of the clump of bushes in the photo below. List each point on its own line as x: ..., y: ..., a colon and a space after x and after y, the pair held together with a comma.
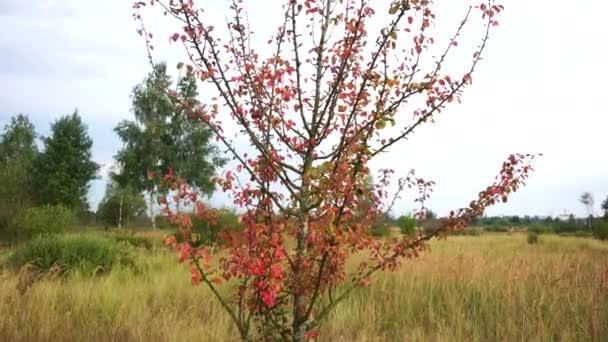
x: 600, y: 229
x: 380, y: 229
x: 532, y: 238
x: 581, y: 233
x: 407, y: 225
x: 539, y: 229
x: 570, y: 226
x: 430, y: 226
x: 47, y: 219
x: 132, y: 240
x: 87, y: 254
x: 471, y: 231
x: 204, y: 231
x: 496, y: 228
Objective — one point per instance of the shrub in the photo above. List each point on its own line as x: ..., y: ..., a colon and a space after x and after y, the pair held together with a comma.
x: 380, y: 229
x: 143, y: 221
x: 567, y: 227
x: 532, y: 238
x: 226, y: 221
x: 132, y: 239
x: 205, y: 231
x: 84, y: 253
x: 162, y: 222
x: 429, y: 226
x: 497, y: 228
x: 407, y: 225
x: 48, y: 219
x: 600, y: 229
x: 118, y: 202
x: 472, y: 231
x: 538, y: 229
x: 87, y: 218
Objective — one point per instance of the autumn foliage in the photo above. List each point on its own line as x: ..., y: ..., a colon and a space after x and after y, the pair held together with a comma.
x: 318, y: 103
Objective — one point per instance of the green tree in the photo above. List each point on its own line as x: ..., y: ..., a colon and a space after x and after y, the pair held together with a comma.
x: 18, y: 141
x: 587, y: 200
x: 120, y: 204
x: 17, y: 152
x: 163, y: 137
x: 190, y: 152
x: 514, y: 220
x: 407, y: 224
x: 605, y: 208
x: 63, y: 171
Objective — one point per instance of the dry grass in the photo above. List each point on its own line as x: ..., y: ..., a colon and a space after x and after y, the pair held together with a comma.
x: 487, y: 288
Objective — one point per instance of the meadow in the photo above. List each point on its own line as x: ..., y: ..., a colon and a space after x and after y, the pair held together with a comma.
x: 492, y: 287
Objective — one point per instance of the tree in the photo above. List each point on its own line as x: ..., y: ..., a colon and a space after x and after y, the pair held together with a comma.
x: 190, y: 153
x: 605, y: 208
x: 18, y: 141
x: 64, y: 170
x: 514, y: 220
x: 407, y: 224
x: 120, y: 204
x: 430, y: 215
x: 17, y: 152
x: 164, y: 136
x: 140, y: 155
x: 587, y: 200
x: 317, y: 109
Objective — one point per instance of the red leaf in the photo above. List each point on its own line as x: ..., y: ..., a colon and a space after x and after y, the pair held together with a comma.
x: 170, y: 241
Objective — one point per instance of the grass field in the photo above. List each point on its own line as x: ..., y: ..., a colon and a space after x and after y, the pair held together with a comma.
x: 484, y: 288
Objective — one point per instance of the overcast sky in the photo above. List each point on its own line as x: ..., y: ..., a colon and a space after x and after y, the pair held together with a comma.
x: 540, y: 88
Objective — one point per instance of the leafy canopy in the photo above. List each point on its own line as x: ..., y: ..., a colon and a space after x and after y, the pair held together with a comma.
x: 17, y: 152
x: 163, y: 136
x: 64, y: 170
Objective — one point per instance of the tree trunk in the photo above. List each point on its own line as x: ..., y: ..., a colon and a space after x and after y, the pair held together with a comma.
x: 299, y: 300
x: 152, y: 218
x: 120, y: 212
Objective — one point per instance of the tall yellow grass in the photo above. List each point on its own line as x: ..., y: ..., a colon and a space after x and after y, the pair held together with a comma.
x: 486, y: 288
